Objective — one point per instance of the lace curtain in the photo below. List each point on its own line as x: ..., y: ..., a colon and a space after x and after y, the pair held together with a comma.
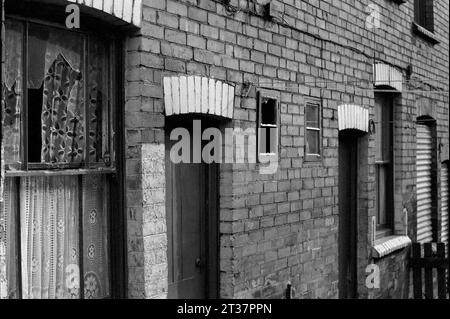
x: 8, y: 242
x: 57, y: 69
x: 50, y: 237
x: 12, y: 93
x: 95, y: 237
x: 98, y: 101
x: 62, y: 114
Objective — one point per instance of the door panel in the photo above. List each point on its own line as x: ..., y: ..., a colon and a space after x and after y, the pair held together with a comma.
x: 191, y: 226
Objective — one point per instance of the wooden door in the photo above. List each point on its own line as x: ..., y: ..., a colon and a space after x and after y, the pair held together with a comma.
x: 191, y: 208
x: 347, y: 215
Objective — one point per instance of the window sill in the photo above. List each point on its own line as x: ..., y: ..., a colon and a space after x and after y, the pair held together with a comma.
x: 62, y: 172
x: 387, y: 245
x: 312, y: 158
x: 424, y: 33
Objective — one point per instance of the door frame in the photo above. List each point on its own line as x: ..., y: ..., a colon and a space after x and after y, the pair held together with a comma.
x: 351, y: 229
x: 211, y: 214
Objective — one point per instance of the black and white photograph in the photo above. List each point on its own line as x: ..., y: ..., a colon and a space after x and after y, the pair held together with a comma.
x: 232, y: 156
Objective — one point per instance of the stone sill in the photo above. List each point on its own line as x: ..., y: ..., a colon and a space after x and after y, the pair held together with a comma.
x: 424, y: 33
x: 387, y: 245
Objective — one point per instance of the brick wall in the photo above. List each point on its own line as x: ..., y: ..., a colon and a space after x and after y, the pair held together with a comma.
x: 282, y: 227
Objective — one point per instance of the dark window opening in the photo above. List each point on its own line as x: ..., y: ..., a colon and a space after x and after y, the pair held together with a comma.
x: 269, y: 111
x: 423, y: 14
x: 34, y: 131
x: 268, y: 125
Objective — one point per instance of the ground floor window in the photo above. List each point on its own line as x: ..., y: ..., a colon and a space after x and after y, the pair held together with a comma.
x: 384, y: 163
x: 58, y: 142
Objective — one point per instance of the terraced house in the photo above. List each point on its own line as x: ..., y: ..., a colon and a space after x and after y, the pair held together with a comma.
x: 338, y: 157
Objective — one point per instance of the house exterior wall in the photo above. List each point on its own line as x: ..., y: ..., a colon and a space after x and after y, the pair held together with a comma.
x: 283, y: 227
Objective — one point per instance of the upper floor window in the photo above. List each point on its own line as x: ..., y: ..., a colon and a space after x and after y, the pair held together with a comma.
x: 423, y: 14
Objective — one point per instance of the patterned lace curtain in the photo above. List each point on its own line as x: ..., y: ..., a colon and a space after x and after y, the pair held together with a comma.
x: 12, y: 92
x: 49, y: 237
x: 62, y: 114
x: 8, y: 242
x: 95, y: 237
x: 56, y: 69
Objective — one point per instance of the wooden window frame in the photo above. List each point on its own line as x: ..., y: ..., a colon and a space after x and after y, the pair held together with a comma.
x: 424, y: 14
x: 386, y: 163
x: 274, y: 95
x: 311, y: 157
x: 116, y: 222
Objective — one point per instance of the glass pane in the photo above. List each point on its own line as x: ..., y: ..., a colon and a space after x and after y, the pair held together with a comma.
x: 98, y: 102
x: 8, y: 242
x: 383, y: 128
x: 49, y: 213
x: 95, y: 237
x: 268, y: 140
x: 56, y: 121
x: 312, y: 115
x: 378, y: 130
x: 381, y: 180
x: 12, y: 92
x: 263, y: 140
x: 269, y: 111
x: 312, y: 142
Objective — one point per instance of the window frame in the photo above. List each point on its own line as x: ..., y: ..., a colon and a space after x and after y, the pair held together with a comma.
x: 423, y: 23
x: 116, y: 243
x: 386, y: 162
x: 274, y: 95
x: 312, y: 157
x: 424, y: 14
x: 85, y: 165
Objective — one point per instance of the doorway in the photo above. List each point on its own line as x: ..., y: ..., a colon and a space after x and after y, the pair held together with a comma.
x: 192, y: 222
x: 348, y: 172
